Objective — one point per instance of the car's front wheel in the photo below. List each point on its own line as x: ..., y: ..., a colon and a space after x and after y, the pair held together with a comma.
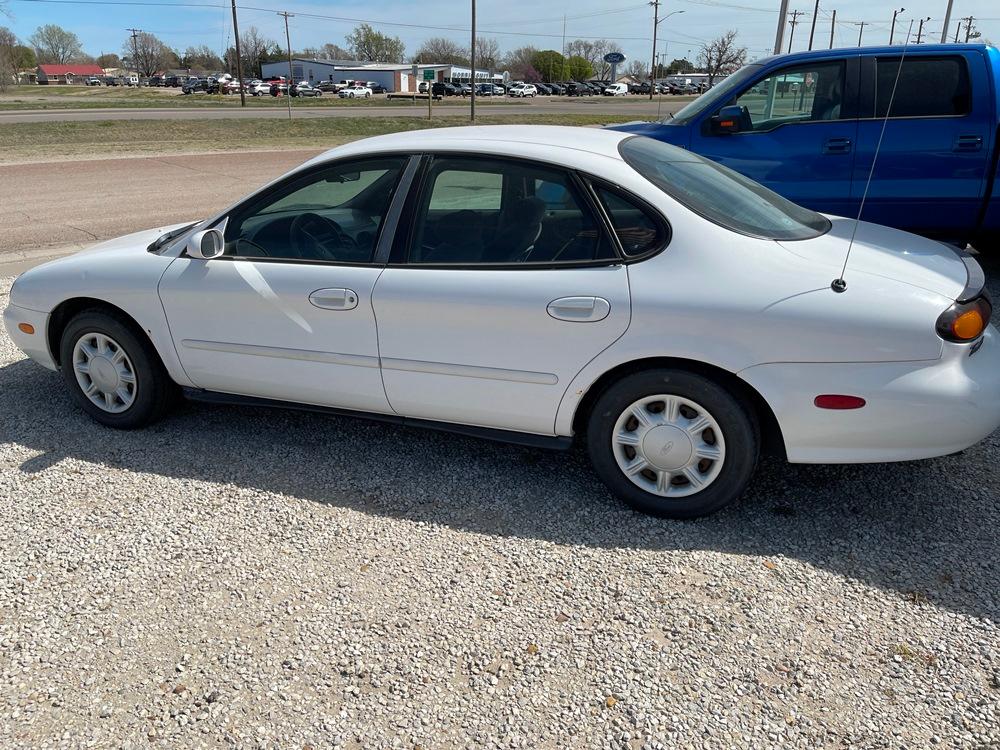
x: 673, y: 443
x: 113, y: 373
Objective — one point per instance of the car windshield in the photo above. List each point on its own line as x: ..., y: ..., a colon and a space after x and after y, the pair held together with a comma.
x: 715, y: 97
x: 719, y: 194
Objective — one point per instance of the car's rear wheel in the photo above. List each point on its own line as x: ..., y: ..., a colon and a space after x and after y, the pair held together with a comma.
x: 673, y: 443
x: 112, y: 373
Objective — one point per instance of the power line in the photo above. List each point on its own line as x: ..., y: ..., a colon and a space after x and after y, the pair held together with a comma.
x: 344, y: 19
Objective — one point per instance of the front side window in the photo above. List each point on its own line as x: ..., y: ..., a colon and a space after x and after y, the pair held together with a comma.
x: 928, y: 87
x: 476, y: 211
x: 333, y: 214
x: 719, y: 194
x: 804, y: 93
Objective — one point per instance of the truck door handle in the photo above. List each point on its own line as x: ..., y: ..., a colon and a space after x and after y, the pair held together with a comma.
x: 334, y: 299
x: 837, y: 146
x: 579, y: 309
x: 968, y: 143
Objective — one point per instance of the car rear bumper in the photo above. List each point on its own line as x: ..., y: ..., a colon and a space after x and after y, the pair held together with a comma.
x: 35, y: 345
x: 913, y: 410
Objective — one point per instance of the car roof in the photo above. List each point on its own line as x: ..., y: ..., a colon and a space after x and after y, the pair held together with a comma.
x: 515, y: 139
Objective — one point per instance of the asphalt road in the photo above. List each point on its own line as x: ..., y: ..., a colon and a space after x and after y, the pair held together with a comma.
x: 604, y: 105
x: 52, y: 208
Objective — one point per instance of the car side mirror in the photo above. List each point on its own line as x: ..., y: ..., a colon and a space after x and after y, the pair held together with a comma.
x: 728, y: 119
x: 206, y: 244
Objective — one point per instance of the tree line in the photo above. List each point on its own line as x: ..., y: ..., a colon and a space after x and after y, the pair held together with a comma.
x: 147, y: 54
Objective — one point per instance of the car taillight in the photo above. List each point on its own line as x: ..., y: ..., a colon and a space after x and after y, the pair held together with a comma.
x: 965, y: 321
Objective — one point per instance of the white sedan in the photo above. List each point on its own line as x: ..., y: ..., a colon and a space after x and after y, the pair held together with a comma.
x: 532, y: 284
x: 355, y: 92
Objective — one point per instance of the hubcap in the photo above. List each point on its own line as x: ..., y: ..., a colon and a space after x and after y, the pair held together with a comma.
x: 104, y: 372
x: 668, y: 445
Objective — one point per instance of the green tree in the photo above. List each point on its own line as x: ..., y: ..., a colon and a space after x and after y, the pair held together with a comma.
x: 365, y: 43
x: 579, y: 68
x: 54, y: 45
x: 439, y: 49
x: 201, y: 58
x: 109, y: 60
x: 550, y: 64
x: 680, y: 65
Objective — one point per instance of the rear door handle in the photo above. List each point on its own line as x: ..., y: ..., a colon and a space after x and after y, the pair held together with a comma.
x: 837, y: 146
x: 579, y: 309
x: 968, y: 143
x: 334, y: 299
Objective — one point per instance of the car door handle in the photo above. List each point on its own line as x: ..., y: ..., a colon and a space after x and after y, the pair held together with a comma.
x: 837, y: 146
x: 579, y: 309
x: 334, y: 299
x: 968, y: 143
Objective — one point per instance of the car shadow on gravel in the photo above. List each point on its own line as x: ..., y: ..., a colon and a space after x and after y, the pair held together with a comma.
x: 925, y: 530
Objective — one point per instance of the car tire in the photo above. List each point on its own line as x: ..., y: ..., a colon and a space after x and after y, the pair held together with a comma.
x: 125, y: 369
x: 633, y: 429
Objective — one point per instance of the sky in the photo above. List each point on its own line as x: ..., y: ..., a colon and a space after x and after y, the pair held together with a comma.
x: 101, y: 24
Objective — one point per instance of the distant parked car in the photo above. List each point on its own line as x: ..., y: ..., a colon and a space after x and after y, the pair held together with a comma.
x: 305, y: 89
x: 356, y: 91
x: 195, y: 86
x: 93, y: 81
x: 484, y: 89
x: 522, y: 90
x: 617, y: 89
x: 377, y: 88
x: 445, y: 88
x: 578, y: 89
x: 258, y: 88
x: 155, y: 81
x: 465, y: 89
x: 329, y: 87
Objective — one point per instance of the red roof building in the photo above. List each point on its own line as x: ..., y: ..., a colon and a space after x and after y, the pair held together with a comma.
x: 71, y: 73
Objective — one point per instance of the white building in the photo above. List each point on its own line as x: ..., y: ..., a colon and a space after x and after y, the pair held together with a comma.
x: 394, y: 76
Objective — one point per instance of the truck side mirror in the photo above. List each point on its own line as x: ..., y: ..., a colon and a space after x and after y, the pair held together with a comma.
x: 728, y: 119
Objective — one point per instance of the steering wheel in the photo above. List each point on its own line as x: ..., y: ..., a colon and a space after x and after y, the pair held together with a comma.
x: 315, y: 236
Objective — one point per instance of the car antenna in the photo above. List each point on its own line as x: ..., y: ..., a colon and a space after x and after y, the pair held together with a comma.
x: 839, y: 284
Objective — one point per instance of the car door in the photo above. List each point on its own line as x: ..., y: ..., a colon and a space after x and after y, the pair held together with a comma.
x: 797, y: 135
x: 506, y: 285
x: 932, y: 167
x: 286, y: 312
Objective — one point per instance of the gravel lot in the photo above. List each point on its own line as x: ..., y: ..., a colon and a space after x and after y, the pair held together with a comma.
x: 246, y: 578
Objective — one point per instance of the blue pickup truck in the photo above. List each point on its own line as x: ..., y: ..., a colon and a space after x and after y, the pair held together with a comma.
x: 807, y: 125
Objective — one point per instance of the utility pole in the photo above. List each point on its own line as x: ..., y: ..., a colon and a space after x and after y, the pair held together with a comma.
x: 947, y: 21
x: 861, y: 31
x: 812, y: 29
x: 288, y: 44
x: 656, y: 24
x: 833, y: 27
x: 892, y: 29
x: 968, y: 27
x: 958, y: 28
x: 652, y: 61
x: 920, y: 29
x: 135, y: 50
x: 472, y: 65
x: 794, y: 22
x: 239, y: 62
x: 779, y: 37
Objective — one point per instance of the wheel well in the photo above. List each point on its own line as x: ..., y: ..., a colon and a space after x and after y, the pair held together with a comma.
x: 67, y: 310
x: 772, y: 441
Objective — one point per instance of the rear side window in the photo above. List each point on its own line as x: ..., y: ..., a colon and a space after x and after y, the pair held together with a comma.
x: 928, y: 87
x: 719, y: 194
x: 637, y: 230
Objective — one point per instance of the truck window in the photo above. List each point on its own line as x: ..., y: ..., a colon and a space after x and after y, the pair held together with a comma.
x: 803, y: 93
x: 928, y: 87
